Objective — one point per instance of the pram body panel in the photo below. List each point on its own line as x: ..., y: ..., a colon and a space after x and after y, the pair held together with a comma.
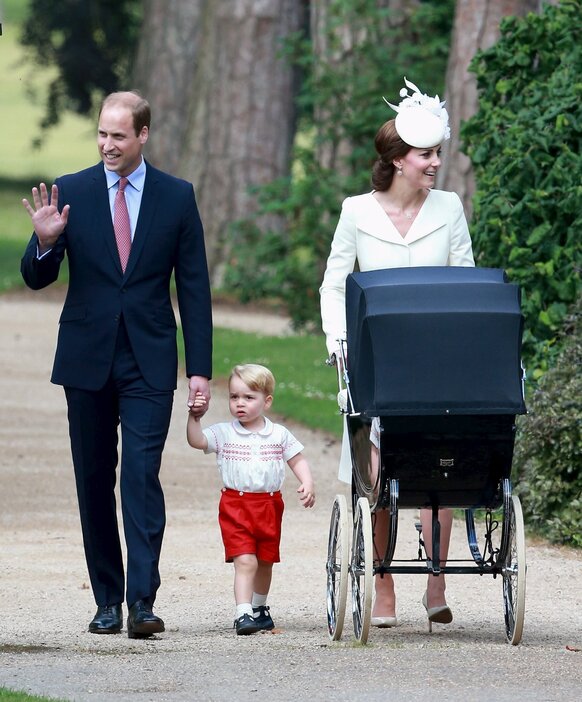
x: 434, y: 340
x: 439, y: 461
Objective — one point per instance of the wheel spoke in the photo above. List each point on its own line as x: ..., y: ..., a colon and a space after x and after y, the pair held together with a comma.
x: 337, y: 567
x: 361, y: 566
x: 513, y: 573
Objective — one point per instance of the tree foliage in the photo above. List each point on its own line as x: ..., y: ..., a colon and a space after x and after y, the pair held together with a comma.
x: 349, y: 93
x: 525, y: 143
x: 91, y: 44
x: 548, y: 456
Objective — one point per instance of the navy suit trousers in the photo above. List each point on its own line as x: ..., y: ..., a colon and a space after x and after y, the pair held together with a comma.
x: 94, y: 417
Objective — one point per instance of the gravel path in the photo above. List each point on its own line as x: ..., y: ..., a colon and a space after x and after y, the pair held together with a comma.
x: 45, y: 603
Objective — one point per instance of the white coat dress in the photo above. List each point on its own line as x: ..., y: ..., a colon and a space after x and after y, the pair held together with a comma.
x: 438, y: 236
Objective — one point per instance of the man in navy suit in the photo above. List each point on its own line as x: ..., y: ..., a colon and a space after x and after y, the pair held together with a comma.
x: 116, y: 354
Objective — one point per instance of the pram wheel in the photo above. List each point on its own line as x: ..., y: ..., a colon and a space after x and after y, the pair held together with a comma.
x: 513, y: 571
x: 361, y: 568
x: 337, y: 567
x: 503, y: 553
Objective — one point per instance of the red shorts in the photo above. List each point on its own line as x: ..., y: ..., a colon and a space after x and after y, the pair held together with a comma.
x: 250, y: 522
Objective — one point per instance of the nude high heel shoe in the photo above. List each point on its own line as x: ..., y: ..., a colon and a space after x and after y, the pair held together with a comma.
x: 440, y: 615
x: 384, y: 622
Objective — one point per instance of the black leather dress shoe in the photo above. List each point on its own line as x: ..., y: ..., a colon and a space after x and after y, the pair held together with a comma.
x: 142, y: 622
x: 107, y: 620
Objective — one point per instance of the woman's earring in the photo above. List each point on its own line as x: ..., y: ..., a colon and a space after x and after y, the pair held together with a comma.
x: 399, y: 170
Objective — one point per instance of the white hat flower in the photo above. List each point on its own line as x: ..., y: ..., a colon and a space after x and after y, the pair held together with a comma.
x: 421, y: 121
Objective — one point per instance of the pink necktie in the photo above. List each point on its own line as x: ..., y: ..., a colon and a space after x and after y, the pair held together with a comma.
x: 121, y: 224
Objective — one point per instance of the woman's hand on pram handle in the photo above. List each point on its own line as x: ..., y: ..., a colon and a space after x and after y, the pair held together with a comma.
x: 331, y: 360
x: 338, y: 354
x: 342, y: 401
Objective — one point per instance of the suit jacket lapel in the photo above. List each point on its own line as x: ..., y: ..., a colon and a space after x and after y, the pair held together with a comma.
x: 103, y: 221
x: 147, y: 208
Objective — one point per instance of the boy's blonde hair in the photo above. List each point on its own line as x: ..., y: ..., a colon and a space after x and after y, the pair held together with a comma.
x: 256, y: 377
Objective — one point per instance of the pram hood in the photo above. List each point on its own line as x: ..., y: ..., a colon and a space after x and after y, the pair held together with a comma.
x: 434, y: 340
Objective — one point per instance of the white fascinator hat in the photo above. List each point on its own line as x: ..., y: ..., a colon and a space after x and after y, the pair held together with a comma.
x: 421, y: 121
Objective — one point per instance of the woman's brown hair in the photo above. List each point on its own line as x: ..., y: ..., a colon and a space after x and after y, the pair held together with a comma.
x: 389, y: 146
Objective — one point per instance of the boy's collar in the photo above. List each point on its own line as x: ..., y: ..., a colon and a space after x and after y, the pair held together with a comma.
x: 265, y: 431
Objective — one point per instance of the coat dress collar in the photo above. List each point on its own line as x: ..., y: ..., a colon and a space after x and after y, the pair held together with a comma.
x: 372, y: 219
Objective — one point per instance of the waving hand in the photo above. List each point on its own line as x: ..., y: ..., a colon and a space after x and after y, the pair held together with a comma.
x: 48, y: 222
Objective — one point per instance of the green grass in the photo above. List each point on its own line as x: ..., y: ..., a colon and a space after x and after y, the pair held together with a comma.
x: 10, y: 255
x: 13, y: 696
x: 13, y: 11
x: 15, y: 231
x: 306, y: 387
x: 67, y: 148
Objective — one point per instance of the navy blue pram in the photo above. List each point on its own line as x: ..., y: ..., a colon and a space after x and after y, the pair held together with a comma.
x: 433, y: 360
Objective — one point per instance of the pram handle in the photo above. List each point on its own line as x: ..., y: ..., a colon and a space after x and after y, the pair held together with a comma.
x: 343, y: 376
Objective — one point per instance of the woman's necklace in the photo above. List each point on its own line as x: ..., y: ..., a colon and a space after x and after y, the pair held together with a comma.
x: 400, y: 211
x: 409, y: 213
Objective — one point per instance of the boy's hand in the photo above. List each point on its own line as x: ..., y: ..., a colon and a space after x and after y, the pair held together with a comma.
x: 198, y: 386
x: 306, y: 494
x: 199, y: 402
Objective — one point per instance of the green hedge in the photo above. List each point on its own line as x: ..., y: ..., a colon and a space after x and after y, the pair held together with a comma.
x: 548, y: 456
x: 525, y: 143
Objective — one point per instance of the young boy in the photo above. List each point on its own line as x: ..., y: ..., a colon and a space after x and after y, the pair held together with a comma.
x: 251, y: 455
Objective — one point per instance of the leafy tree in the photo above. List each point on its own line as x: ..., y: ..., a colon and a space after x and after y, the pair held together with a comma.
x: 91, y: 43
x: 525, y: 143
x: 548, y: 455
x: 349, y: 93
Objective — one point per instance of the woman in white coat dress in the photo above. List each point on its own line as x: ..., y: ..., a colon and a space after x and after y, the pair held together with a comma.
x: 402, y: 222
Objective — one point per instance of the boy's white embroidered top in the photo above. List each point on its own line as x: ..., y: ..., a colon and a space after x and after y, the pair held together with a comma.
x: 252, y: 461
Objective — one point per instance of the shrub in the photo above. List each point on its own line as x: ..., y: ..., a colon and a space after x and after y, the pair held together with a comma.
x: 525, y: 143
x: 548, y: 455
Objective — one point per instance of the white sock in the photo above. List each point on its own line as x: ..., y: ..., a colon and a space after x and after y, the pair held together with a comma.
x: 259, y: 600
x: 243, y: 608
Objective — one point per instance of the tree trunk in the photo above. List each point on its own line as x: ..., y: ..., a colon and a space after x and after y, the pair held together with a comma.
x: 169, y: 44
x: 241, y: 116
x: 333, y: 45
x: 223, y: 101
x: 476, y: 28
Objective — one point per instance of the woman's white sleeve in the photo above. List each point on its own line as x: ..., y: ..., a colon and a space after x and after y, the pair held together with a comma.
x: 461, y: 250
x: 333, y: 289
